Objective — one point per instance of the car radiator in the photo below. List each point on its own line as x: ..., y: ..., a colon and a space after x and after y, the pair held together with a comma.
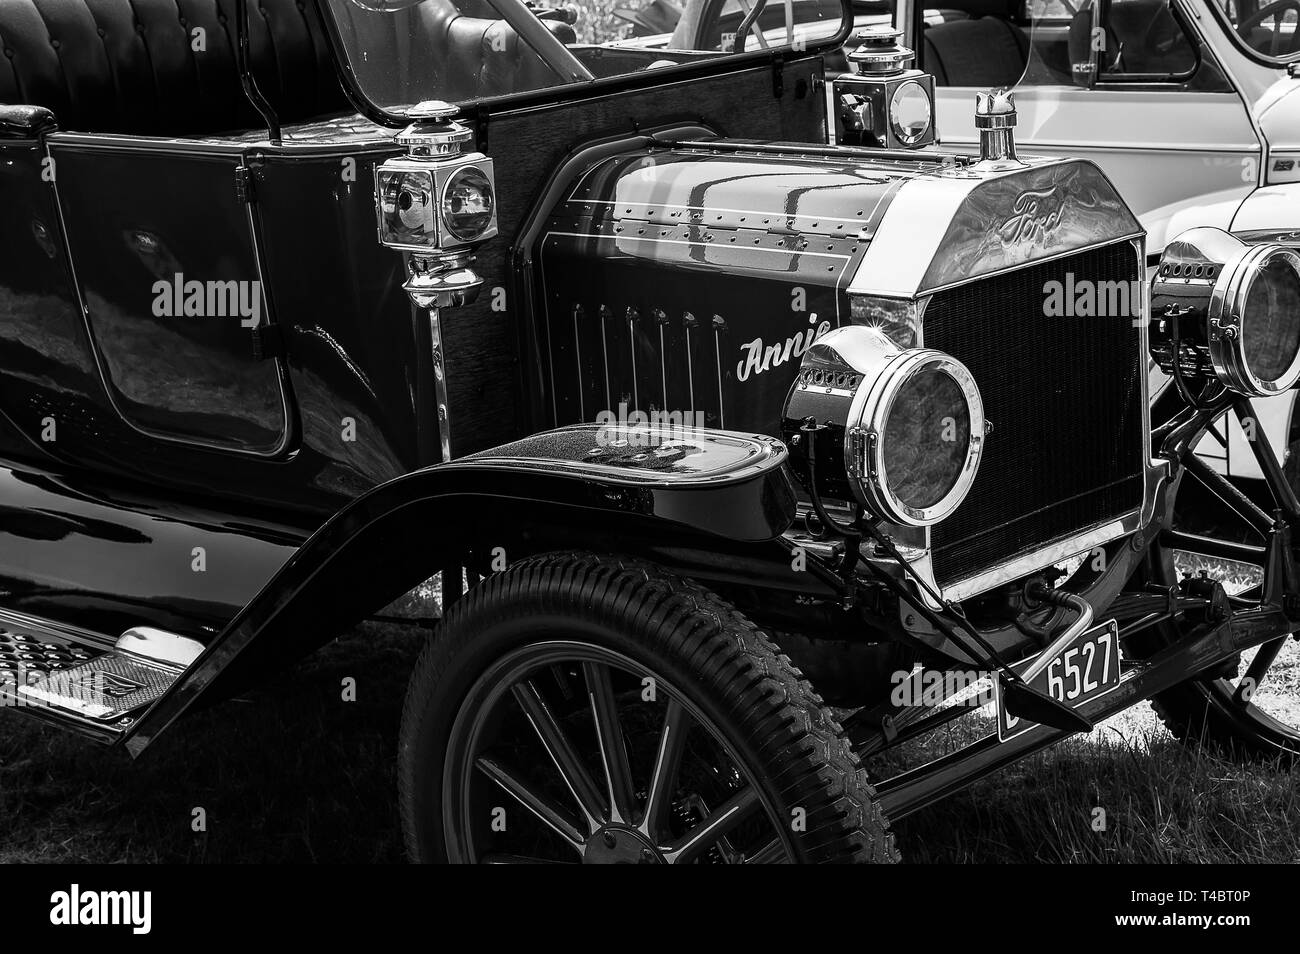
x: 1065, y: 397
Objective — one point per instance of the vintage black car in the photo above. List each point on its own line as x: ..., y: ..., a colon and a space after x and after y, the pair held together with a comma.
x: 714, y: 394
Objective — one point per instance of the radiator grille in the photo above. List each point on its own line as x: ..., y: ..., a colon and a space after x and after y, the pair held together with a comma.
x: 1065, y: 398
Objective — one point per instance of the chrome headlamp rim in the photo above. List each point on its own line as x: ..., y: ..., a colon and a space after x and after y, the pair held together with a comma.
x: 1226, y: 318
x: 909, y: 139
x: 864, y: 438
x: 445, y: 218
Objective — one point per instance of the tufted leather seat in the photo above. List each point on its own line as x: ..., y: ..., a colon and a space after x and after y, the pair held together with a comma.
x: 479, y: 57
x: 139, y: 66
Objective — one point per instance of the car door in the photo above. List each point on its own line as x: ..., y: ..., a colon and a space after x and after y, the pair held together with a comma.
x: 163, y: 248
x: 1156, y: 112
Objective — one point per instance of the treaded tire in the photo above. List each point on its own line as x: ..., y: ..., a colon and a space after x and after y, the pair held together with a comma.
x: 790, y: 744
x: 1195, y: 714
x: 1199, y: 712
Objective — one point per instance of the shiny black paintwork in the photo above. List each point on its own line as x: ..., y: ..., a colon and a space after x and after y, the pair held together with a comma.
x: 709, y: 259
x: 353, y: 349
x: 106, y: 555
x: 545, y: 492
x: 154, y: 442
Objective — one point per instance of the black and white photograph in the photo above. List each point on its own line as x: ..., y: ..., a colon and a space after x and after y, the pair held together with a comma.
x: 651, y: 432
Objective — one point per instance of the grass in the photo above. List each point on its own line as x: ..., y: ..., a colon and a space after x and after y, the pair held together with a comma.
x: 299, y: 775
x: 1162, y: 803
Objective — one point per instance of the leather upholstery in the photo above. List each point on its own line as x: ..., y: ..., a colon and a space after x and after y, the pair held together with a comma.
x: 24, y: 121
x: 481, y: 57
x: 138, y: 66
x: 986, y: 52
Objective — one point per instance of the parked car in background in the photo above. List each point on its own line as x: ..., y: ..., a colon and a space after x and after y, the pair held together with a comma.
x: 1189, y: 106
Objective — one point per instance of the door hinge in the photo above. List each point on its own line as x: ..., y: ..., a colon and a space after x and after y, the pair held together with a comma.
x: 244, y: 189
x: 268, y: 342
x: 778, y: 78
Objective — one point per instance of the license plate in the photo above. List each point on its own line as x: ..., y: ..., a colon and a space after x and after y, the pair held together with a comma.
x: 1086, y: 669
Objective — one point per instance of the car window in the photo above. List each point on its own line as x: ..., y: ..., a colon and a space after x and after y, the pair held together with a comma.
x: 403, y: 52
x: 1087, y: 42
x: 1269, y: 27
x: 1056, y: 43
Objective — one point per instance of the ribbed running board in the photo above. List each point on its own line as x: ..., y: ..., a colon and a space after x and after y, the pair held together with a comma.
x: 106, y: 688
x: 74, y: 676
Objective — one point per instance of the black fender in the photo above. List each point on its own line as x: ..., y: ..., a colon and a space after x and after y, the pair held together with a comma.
x: 705, y: 494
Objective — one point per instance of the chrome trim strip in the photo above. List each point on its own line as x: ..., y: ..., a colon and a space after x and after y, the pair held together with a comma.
x: 1043, y: 557
x: 722, y: 410
x: 440, y: 382
x: 1073, y: 148
x: 690, y: 373
x: 382, y: 142
x: 709, y: 245
x: 649, y: 207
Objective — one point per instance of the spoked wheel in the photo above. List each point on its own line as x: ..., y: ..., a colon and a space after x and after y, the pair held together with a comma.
x: 1250, y: 708
x: 578, y: 708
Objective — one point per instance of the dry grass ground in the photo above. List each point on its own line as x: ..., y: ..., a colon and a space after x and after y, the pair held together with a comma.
x: 296, y: 774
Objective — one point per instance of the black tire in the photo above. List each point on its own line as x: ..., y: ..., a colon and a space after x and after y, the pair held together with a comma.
x: 748, y: 702
x: 1198, y: 714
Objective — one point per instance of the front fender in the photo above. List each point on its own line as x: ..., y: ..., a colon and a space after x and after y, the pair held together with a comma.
x: 612, y: 487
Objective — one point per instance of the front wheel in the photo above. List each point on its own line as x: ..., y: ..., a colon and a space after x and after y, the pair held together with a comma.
x: 1250, y: 707
x: 579, y: 708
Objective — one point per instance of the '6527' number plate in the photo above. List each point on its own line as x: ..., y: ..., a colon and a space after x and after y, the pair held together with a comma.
x: 1084, y: 670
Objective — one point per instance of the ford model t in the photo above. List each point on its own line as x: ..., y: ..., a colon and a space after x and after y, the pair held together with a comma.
x: 705, y: 423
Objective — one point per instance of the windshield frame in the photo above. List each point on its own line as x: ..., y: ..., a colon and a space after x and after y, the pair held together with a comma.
x: 1235, y: 38
x: 718, y: 65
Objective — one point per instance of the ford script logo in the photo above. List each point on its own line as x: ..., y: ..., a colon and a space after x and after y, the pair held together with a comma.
x: 1033, y: 216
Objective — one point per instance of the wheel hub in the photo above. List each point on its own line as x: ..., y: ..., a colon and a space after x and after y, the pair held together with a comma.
x: 614, y: 845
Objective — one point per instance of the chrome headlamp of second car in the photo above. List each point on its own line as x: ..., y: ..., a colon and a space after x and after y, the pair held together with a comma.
x: 898, y: 430
x: 1230, y: 311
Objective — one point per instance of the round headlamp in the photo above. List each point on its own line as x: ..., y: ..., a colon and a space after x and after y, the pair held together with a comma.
x: 900, y: 431
x: 1229, y: 309
x: 1254, y: 318
x: 467, y: 203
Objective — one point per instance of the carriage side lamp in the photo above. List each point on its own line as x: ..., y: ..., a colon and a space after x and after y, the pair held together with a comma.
x: 437, y: 204
x: 995, y: 118
x: 884, y: 102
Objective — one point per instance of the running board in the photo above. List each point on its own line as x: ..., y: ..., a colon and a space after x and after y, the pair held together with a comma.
x: 84, y: 680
